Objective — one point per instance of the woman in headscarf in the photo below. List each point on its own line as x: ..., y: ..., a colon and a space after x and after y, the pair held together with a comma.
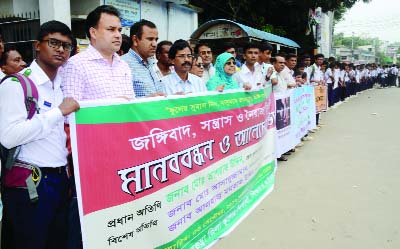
x: 224, y: 69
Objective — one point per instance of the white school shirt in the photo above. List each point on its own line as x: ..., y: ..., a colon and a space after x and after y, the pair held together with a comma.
x: 336, y: 76
x: 208, y: 73
x: 173, y: 84
x: 264, y: 70
x: 42, y: 139
x: 282, y: 85
x: 317, y: 76
x: 246, y: 76
x: 328, y: 75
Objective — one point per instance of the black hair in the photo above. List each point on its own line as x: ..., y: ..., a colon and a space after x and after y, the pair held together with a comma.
x: 178, y: 45
x: 249, y: 45
x: 297, y: 72
x: 7, y: 49
x: 305, y: 56
x: 74, y: 47
x: 137, y: 28
x: 51, y: 27
x: 273, y: 59
x: 300, y: 64
x: 266, y: 46
x: 318, y: 56
x: 228, y: 45
x: 92, y: 20
x: 196, y: 49
x: 126, y: 44
x: 290, y: 55
x: 160, y: 44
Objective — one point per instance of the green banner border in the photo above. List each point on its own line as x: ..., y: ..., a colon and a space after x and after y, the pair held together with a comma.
x: 169, y: 108
x: 260, y: 184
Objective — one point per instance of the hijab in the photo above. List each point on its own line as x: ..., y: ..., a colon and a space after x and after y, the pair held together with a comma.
x: 220, y: 77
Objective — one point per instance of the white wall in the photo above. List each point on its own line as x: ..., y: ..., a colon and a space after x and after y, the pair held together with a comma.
x: 180, y: 23
x: 55, y: 10
x: 25, y: 6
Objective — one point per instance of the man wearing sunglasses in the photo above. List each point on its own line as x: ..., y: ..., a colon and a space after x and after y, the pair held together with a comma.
x: 40, y: 222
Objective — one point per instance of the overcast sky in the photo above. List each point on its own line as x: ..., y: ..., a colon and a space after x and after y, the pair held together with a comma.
x: 379, y: 18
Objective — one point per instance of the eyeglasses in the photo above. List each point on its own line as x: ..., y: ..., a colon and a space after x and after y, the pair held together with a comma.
x: 183, y: 56
x: 230, y: 63
x: 199, y: 65
x: 54, y: 43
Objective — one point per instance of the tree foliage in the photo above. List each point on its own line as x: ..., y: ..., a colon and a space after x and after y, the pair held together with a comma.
x: 281, y: 17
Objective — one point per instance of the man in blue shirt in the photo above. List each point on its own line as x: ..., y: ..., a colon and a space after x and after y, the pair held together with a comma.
x: 144, y: 37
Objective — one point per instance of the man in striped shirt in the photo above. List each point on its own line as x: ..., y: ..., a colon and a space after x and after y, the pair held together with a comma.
x: 144, y: 37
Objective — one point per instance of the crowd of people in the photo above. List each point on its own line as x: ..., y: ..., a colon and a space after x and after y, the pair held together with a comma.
x: 115, y: 66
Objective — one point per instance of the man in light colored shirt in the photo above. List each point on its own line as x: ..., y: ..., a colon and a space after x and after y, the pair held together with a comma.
x: 278, y: 83
x: 204, y: 51
x: 288, y: 72
x: 38, y: 223
x: 163, y: 67
x: 264, y: 60
x: 181, y: 81
x: 250, y: 75
x: 98, y: 72
x: 144, y: 35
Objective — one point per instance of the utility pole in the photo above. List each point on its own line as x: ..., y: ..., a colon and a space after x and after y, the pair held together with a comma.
x: 352, y: 47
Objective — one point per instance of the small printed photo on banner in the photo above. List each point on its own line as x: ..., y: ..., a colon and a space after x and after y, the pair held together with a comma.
x: 282, y: 113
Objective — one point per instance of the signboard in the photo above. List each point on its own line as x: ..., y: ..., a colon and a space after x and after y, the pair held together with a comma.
x: 129, y: 10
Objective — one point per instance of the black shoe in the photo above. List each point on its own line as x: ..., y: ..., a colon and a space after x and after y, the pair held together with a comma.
x: 282, y: 158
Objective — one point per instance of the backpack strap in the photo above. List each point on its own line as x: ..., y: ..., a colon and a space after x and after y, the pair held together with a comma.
x: 31, y: 94
x: 31, y: 97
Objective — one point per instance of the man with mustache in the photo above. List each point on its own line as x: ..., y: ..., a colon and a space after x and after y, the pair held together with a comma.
x: 96, y: 73
x: 181, y: 81
x: 144, y: 35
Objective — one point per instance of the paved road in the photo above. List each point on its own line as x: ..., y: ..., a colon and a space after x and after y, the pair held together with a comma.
x: 339, y: 191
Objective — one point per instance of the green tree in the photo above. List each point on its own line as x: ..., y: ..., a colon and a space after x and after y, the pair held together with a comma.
x: 288, y: 17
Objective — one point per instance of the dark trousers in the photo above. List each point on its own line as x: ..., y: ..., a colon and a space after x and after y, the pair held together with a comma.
x: 330, y: 95
x: 39, y: 225
x: 336, y: 95
x: 74, y: 225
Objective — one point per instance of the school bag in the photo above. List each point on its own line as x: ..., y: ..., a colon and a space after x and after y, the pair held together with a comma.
x: 9, y: 156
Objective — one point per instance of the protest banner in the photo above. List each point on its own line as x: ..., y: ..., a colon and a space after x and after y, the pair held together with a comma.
x: 171, y: 173
x: 321, y: 98
x: 295, y: 116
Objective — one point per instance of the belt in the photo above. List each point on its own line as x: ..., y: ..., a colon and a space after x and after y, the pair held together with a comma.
x: 56, y: 170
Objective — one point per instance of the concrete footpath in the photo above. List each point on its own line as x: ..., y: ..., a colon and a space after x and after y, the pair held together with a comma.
x: 340, y: 190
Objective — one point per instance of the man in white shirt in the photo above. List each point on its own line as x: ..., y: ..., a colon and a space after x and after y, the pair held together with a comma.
x: 163, y: 66
x: 250, y: 75
x: 205, y: 52
x: 41, y: 223
x: 278, y: 83
x: 288, y: 72
x: 265, y: 62
x: 181, y: 81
